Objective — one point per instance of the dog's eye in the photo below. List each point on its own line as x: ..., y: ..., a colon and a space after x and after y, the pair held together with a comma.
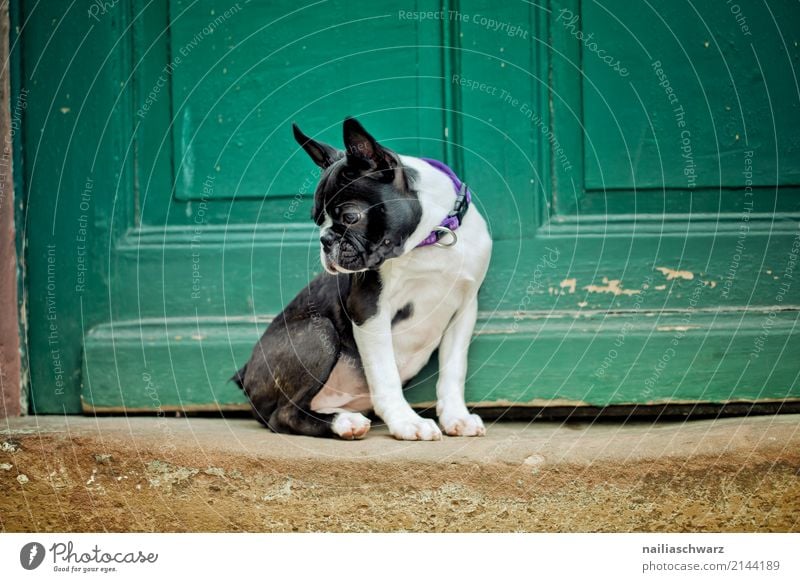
x: 351, y: 217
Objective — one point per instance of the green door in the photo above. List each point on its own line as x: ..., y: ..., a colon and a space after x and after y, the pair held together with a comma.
x: 638, y: 170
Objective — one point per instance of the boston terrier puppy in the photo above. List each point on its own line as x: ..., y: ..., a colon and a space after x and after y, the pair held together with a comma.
x: 404, y: 254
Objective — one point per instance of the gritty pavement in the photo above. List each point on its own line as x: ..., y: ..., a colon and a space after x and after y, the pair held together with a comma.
x: 200, y: 474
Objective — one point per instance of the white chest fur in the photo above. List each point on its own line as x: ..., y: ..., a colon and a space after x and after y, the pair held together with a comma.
x: 434, y: 282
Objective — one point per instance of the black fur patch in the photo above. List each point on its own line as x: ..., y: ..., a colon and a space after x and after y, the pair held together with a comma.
x: 403, y: 313
x: 238, y: 377
x: 362, y: 301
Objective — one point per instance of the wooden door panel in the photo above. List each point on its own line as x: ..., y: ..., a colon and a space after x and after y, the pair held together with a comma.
x: 498, y: 79
x: 239, y: 73
x: 612, y: 281
x: 723, y: 221
x: 699, y: 104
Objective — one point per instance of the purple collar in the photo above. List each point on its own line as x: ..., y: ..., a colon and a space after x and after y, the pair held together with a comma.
x: 453, y: 220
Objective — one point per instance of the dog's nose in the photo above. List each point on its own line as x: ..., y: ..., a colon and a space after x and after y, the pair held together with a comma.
x: 327, y: 240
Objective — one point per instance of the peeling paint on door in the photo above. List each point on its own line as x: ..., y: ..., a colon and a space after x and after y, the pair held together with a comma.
x: 671, y: 274
x: 569, y: 285
x: 612, y: 286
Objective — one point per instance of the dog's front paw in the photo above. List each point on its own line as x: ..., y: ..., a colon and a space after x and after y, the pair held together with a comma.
x: 416, y: 429
x: 350, y: 425
x: 462, y: 425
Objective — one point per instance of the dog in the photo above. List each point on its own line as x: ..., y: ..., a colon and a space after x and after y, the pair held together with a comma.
x: 404, y: 254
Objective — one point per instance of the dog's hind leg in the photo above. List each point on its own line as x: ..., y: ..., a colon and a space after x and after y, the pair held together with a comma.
x: 289, y: 366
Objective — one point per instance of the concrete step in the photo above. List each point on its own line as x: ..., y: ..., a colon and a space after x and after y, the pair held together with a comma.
x: 199, y: 474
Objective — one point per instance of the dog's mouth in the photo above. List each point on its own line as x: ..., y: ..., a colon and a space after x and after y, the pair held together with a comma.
x: 335, y: 261
x: 329, y: 264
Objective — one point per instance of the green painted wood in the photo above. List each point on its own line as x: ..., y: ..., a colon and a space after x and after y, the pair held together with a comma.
x: 76, y: 150
x: 239, y: 68
x: 196, y: 221
x: 242, y: 272
x: 499, y: 151
x: 699, y: 92
x: 563, y: 120
x: 559, y: 358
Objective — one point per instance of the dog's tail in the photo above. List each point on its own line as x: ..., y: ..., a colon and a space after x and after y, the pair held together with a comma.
x: 238, y: 377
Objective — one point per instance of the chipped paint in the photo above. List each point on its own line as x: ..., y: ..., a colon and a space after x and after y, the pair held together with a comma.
x: 583, y: 303
x: 612, y: 286
x: 710, y: 284
x: 660, y: 287
x: 671, y: 274
x: 676, y: 327
x: 569, y: 285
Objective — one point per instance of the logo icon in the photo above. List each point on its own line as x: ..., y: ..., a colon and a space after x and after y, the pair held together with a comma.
x: 31, y: 555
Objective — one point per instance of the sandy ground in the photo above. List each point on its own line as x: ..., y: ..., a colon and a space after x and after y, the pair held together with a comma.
x: 156, y: 474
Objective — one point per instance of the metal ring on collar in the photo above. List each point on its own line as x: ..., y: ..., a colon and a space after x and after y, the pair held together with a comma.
x: 445, y: 231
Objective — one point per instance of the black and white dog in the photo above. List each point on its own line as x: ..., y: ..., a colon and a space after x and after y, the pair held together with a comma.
x: 404, y: 254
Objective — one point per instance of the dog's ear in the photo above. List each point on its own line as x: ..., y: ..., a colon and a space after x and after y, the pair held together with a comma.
x: 365, y: 153
x: 320, y: 153
x: 358, y: 143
